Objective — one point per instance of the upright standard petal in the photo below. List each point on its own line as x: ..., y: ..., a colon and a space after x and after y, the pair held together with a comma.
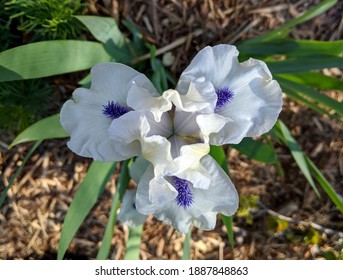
x: 90, y: 113
x: 189, y: 205
x: 246, y: 94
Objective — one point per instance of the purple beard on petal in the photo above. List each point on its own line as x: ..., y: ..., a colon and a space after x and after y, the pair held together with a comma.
x: 225, y: 95
x: 114, y: 110
x: 185, y: 197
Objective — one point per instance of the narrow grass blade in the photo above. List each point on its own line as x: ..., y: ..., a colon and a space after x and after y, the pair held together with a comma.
x: 330, y: 191
x: 47, y: 128
x: 44, y: 59
x: 133, y: 243
x: 296, y: 152
x: 301, y: 64
x: 228, y: 222
x: 159, y: 76
x: 314, y: 95
x: 187, y: 246
x: 291, y: 48
x: 86, y: 196
x: 117, y: 198
x: 15, y: 175
x: 285, y: 28
x: 295, y: 95
x: 218, y: 154
x: 257, y: 150
x: 312, y: 79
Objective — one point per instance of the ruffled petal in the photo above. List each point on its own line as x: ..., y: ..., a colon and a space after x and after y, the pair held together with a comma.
x: 198, y: 96
x: 161, y: 191
x: 220, y: 197
x: 246, y: 94
x: 113, y: 80
x: 145, y: 100
x: 189, y: 167
x: 257, y: 100
x: 213, y: 63
x: 138, y: 168
x: 143, y: 203
x: 128, y: 214
x: 87, y: 126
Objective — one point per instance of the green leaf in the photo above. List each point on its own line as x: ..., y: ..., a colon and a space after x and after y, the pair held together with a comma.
x: 316, y: 80
x: 187, y: 246
x: 310, y: 14
x: 291, y: 48
x: 308, y: 92
x: 299, y: 157
x: 330, y: 191
x: 43, y: 59
x: 301, y: 64
x: 123, y: 181
x: 257, y: 150
x: 312, y: 47
x: 305, y: 101
x: 47, y: 128
x: 133, y: 243
x: 15, y: 175
x: 87, y: 194
x: 218, y: 154
x: 159, y: 76
x: 103, y: 29
x: 228, y: 222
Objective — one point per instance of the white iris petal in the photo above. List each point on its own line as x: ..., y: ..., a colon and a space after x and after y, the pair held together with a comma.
x: 128, y: 214
x: 84, y: 119
x: 220, y: 197
x: 173, y: 136
x: 253, y: 100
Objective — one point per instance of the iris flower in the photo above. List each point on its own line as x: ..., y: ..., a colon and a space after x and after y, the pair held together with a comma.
x: 174, y: 136
x: 180, y: 203
x: 89, y: 114
x: 217, y: 101
x: 243, y: 93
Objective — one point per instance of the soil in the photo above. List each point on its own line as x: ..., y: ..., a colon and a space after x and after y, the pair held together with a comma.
x: 289, y: 221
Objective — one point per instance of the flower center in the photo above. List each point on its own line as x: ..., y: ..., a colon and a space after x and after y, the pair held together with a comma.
x: 185, y: 197
x: 114, y: 110
x: 225, y: 95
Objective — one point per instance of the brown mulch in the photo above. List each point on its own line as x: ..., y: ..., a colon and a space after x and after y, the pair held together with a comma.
x: 32, y: 216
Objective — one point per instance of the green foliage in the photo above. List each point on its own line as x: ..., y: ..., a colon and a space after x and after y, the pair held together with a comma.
x: 247, y: 204
x: 187, y: 246
x: 86, y: 196
x: 257, y: 150
x: 7, y: 38
x: 47, y: 128
x: 306, y: 165
x: 333, y: 255
x: 21, y: 103
x: 122, y: 184
x: 133, y: 243
x: 276, y: 225
x: 43, y: 59
x: 17, y: 172
x: 312, y: 236
x: 46, y: 19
